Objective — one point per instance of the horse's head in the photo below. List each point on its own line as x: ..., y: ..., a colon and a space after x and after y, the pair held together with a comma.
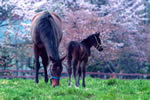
x: 98, y: 43
x: 56, y: 70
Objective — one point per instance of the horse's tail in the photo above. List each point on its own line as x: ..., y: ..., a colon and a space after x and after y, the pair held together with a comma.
x: 70, y: 50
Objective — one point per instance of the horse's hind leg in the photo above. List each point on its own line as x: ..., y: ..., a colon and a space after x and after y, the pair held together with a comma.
x: 45, y: 63
x: 83, y: 71
x: 79, y: 75
x: 37, y: 63
x: 69, y: 69
x: 78, y: 72
x: 69, y: 72
x: 75, y: 62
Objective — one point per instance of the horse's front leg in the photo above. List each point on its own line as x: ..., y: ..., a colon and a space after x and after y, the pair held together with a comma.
x: 37, y: 67
x: 45, y: 64
x: 45, y: 73
x: 37, y: 63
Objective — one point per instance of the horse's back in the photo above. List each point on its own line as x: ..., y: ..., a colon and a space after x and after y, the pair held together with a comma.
x: 58, y: 26
x: 35, y: 27
x: 38, y: 19
x: 74, y: 45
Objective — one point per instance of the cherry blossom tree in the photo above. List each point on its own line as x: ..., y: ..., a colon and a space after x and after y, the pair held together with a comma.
x: 117, y: 20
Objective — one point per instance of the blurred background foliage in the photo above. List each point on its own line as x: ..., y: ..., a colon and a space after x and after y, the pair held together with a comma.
x: 124, y: 27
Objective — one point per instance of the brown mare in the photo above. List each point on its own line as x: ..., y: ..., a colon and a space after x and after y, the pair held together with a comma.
x: 78, y: 52
x: 46, y: 35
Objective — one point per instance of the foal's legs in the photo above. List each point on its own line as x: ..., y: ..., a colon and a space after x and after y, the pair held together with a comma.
x: 78, y: 72
x: 69, y: 69
x: 69, y: 72
x: 75, y: 62
x: 83, y: 71
x: 45, y: 63
x: 37, y: 63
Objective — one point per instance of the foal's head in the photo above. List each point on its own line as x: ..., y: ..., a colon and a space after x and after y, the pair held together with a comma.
x: 56, y: 70
x: 97, y: 41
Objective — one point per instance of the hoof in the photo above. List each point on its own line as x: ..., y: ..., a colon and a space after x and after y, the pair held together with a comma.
x: 36, y: 81
x: 77, y: 87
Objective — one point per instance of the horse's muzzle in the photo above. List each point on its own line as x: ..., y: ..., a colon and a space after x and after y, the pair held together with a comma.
x: 54, y: 82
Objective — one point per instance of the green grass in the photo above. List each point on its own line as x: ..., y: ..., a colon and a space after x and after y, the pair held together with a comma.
x: 96, y: 89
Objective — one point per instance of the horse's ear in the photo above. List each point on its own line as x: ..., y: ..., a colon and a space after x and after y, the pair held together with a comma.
x: 97, y: 33
x: 63, y: 58
x: 52, y: 59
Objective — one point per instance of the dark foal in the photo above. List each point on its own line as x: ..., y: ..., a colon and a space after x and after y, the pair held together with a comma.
x: 46, y: 35
x: 78, y: 53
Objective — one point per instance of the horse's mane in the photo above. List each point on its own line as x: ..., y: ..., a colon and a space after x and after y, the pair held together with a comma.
x: 88, y: 38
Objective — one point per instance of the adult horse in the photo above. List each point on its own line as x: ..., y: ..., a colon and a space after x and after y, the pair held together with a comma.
x: 46, y: 36
x: 78, y: 52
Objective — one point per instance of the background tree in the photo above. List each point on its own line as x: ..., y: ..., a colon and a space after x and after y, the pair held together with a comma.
x: 124, y: 27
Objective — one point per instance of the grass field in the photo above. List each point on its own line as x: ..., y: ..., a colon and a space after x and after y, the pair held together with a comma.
x: 96, y: 89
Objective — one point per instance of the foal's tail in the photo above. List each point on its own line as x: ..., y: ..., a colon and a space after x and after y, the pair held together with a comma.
x: 70, y: 48
x: 69, y: 55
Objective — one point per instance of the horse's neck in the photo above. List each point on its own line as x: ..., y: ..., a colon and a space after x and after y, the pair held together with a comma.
x: 87, y: 43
